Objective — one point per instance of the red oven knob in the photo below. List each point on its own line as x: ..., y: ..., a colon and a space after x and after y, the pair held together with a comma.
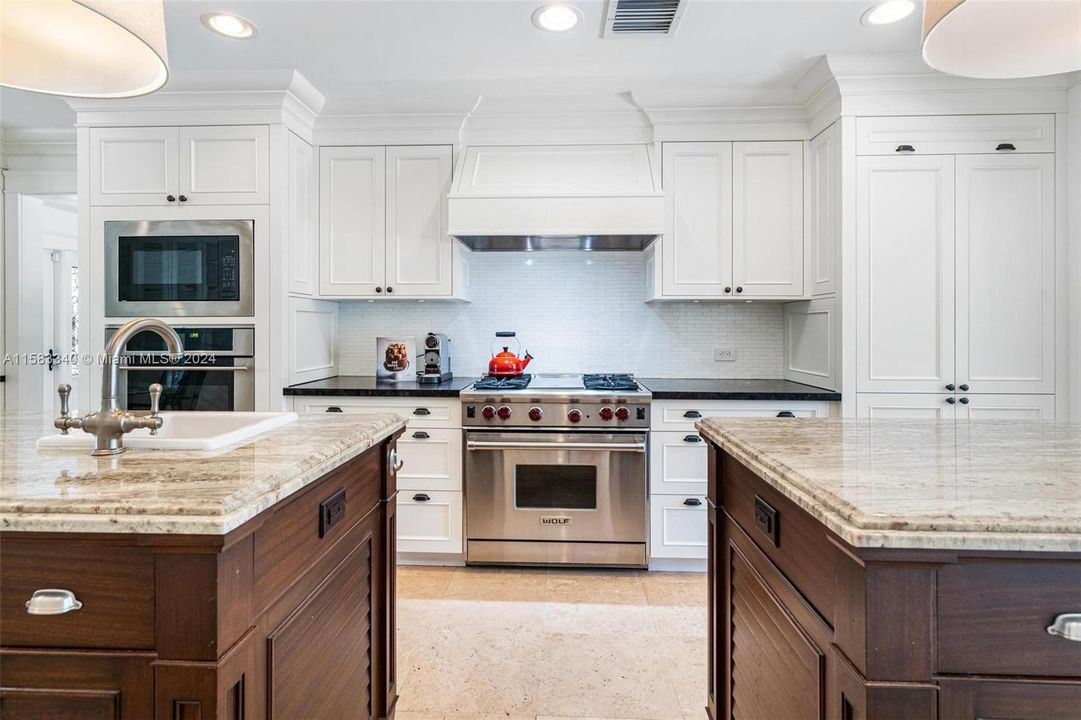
x: 535, y: 414
x: 575, y: 416
x: 504, y: 412
x: 622, y: 413
x: 606, y: 413
x: 488, y: 412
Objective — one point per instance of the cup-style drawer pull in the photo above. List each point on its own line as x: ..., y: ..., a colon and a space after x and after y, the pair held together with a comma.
x: 1005, y: 146
x: 692, y: 414
x: 52, y: 601
x: 422, y: 411
x: 1067, y: 627
x: 786, y: 414
x: 421, y: 435
x: 692, y: 439
x: 692, y: 502
x: 334, y: 409
x: 421, y: 497
x: 905, y: 149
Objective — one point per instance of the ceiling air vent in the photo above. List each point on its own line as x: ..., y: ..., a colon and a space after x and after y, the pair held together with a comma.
x: 643, y: 18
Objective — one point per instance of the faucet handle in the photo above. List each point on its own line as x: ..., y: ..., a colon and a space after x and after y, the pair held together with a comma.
x: 64, y: 391
x: 155, y: 403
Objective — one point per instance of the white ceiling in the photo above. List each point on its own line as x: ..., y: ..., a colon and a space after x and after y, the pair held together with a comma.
x: 377, y: 56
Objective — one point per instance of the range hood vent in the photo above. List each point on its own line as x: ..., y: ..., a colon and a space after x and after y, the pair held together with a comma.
x: 642, y: 18
x: 556, y: 197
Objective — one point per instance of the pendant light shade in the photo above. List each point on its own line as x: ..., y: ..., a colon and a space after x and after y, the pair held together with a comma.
x: 83, y: 48
x: 1002, y: 38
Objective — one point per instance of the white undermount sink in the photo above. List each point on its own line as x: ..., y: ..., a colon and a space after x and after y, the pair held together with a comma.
x: 185, y: 431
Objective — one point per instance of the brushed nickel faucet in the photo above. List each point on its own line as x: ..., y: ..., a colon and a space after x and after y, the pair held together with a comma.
x: 109, y: 423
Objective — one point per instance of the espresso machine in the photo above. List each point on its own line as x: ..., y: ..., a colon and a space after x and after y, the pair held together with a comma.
x: 436, y: 367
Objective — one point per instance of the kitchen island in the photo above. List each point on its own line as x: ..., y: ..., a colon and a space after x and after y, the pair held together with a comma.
x: 255, y: 581
x: 863, y: 570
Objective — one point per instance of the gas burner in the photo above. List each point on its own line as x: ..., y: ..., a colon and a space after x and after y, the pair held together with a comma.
x: 616, y: 382
x: 491, y: 382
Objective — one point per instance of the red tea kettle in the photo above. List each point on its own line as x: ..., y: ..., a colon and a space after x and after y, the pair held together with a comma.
x: 506, y: 363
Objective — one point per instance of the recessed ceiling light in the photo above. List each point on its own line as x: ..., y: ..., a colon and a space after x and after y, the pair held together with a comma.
x: 229, y: 25
x: 557, y: 17
x: 888, y: 12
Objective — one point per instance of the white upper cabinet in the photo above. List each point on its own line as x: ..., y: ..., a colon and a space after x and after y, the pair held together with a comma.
x: 352, y: 221
x: 823, y: 203
x: 905, y: 274
x: 224, y: 165
x: 767, y: 219
x: 1005, y: 274
x: 133, y: 166
x: 300, y: 216
x: 696, y: 256
x: 418, y: 248
x: 955, y: 134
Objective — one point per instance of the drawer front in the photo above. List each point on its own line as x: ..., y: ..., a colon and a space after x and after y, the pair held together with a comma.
x: 429, y: 521
x: 993, y: 618
x: 300, y: 532
x: 432, y: 460
x: 681, y: 415
x: 963, y: 699
x: 114, y: 584
x: 679, y: 526
x: 954, y: 134
x: 421, y: 412
x: 677, y: 464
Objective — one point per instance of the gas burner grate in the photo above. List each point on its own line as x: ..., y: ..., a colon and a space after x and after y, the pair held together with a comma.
x: 488, y: 382
x: 618, y: 382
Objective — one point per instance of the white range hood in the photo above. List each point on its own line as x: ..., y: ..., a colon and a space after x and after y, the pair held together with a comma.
x: 557, y: 197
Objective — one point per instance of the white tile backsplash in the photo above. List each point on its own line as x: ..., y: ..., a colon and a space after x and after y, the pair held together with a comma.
x: 575, y: 312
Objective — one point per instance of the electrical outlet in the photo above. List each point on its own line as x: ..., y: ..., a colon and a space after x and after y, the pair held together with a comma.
x: 724, y: 355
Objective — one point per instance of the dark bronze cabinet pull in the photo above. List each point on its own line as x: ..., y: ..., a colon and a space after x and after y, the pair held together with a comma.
x: 964, y: 401
x: 1005, y: 146
x: 905, y: 148
x: 951, y: 387
x: 422, y: 411
x: 334, y: 408
x: 421, y: 497
x: 692, y: 439
x: 183, y: 198
x: 421, y: 435
x: 951, y: 401
x: 170, y: 198
x: 692, y: 414
x: 963, y: 387
x: 786, y: 414
x: 693, y: 502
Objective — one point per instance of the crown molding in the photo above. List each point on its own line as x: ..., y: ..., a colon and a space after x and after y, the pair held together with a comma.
x: 38, y: 149
x: 399, y: 129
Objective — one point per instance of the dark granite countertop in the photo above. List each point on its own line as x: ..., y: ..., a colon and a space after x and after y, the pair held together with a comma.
x: 370, y: 386
x: 717, y: 389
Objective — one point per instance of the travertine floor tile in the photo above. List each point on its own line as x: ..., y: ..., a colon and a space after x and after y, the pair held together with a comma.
x: 686, y: 662
x: 679, y: 621
x: 423, y: 582
x: 602, y: 619
x: 688, y: 589
x: 623, y: 587
x: 497, y: 584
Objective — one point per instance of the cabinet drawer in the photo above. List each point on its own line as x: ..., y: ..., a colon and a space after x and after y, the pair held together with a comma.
x: 114, y: 584
x: 679, y: 526
x: 421, y: 412
x: 677, y: 464
x: 993, y: 618
x: 986, y: 698
x: 429, y: 521
x: 300, y: 532
x: 681, y: 415
x: 954, y: 134
x: 433, y: 460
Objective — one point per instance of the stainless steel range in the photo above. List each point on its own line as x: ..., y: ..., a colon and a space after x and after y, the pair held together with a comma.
x: 556, y: 471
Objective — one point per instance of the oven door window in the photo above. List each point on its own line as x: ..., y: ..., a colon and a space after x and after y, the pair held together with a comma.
x: 174, y: 268
x: 182, y: 389
x: 555, y: 487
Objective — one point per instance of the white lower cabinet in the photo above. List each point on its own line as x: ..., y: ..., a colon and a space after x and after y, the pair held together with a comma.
x: 429, y: 521
x: 1009, y: 407
x: 928, y: 406
x: 679, y: 526
x: 433, y: 459
x: 677, y: 463
x: 964, y: 407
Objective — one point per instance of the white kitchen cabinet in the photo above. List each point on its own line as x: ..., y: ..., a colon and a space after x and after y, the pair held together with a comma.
x: 418, y: 249
x: 767, y: 219
x: 427, y: 412
x: 679, y: 527
x: 696, y: 250
x: 1008, y: 407
x: 212, y: 165
x: 955, y: 134
x: 1005, y: 273
x: 300, y: 216
x: 823, y: 203
x: 905, y: 273
x: 432, y: 459
x: 926, y: 406
x: 352, y: 221
x: 429, y: 522
x: 677, y: 463
x: 681, y: 415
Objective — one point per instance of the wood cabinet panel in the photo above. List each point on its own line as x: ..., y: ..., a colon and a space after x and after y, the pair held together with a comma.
x: 984, y: 699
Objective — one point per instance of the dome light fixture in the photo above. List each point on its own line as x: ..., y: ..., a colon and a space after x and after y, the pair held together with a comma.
x: 229, y: 25
x: 996, y: 39
x: 888, y: 12
x: 556, y: 17
x: 83, y: 48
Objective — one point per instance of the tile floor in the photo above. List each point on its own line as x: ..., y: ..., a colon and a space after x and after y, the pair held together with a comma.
x: 519, y: 644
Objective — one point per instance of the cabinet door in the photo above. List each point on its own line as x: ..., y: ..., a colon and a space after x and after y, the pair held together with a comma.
x: 133, y: 166
x: 300, y: 207
x: 696, y: 258
x: 1009, y: 407
x: 897, y: 405
x: 433, y: 460
x: 677, y: 463
x: 977, y: 699
x: 429, y: 521
x: 76, y: 685
x: 767, y: 219
x: 225, y: 165
x: 419, y: 250
x: 352, y: 210
x: 1006, y: 273
x: 823, y: 204
x: 904, y: 273
x: 679, y: 526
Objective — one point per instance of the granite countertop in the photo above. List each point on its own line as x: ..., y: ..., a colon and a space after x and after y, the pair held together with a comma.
x: 972, y: 485
x: 158, y: 491
x: 370, y: 386
x: 717, y: 389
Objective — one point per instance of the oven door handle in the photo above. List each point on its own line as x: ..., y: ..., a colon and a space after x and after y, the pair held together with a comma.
x: 537, y: 445
x: 187, y: 368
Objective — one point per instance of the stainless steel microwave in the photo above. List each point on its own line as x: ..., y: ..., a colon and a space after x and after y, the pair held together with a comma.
x: 180, y: 268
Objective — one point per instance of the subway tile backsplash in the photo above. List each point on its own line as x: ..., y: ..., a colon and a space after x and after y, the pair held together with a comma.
x: 575, y: 312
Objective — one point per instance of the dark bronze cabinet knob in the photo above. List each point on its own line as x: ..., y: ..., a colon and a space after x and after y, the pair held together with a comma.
x: 739, y: 288
x: 728, y: 289
x: 951, y: 387
x: 390, y: 289
x: 183, y: 198
x: 950, y: 400
x: 379, y: 288
x: 964, y: 388
x: 964, y: 401
x: 170, y: 198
